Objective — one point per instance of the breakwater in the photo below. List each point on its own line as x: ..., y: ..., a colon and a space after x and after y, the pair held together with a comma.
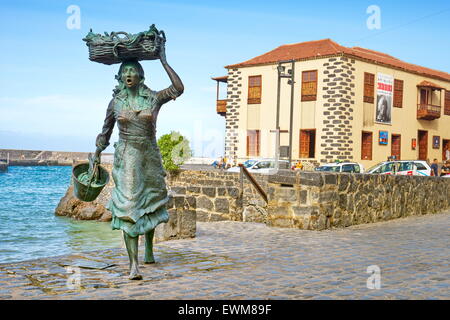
x: 17, y: 157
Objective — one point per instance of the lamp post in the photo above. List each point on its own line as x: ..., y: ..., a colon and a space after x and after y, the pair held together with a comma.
x: 289, y: 75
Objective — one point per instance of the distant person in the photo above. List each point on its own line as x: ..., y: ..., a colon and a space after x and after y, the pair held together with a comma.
x: 447, y: 154
x: 434, y: 168
x: 298, y: 166
x: 445, y: 168
x: 224, y: 163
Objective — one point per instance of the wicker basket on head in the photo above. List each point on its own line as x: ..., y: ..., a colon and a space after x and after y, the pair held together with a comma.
x: 112, y: 48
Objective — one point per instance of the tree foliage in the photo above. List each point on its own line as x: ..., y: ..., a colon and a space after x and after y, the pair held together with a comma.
x: 174, y: 150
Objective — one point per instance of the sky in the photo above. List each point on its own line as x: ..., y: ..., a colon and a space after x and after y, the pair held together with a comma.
x: 53, y: 98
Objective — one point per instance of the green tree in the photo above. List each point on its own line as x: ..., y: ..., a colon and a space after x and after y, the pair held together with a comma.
x: 174, y: 150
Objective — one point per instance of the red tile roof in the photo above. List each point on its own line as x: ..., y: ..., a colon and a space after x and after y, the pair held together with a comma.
x: 429, y: 84
x: 221, y: 79
x: 327, y: 47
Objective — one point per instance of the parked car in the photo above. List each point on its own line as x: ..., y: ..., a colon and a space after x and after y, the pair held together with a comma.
x: 342, y: 167
x: 402, y: 167
x: 261, y: 165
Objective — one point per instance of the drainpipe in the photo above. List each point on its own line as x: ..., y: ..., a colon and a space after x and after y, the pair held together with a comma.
x: 277, y: 126
x: 292, y: 112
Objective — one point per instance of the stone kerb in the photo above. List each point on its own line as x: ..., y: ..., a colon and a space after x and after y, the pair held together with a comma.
x: 318, y: 201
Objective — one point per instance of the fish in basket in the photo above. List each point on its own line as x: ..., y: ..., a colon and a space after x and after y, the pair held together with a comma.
x: 118, y: 47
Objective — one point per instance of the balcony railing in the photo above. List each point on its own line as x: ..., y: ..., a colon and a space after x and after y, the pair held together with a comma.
x: 221, y: 107
x: 428, y: 111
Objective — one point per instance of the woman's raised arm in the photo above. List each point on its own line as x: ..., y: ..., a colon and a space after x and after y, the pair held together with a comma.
x: 177, y: 87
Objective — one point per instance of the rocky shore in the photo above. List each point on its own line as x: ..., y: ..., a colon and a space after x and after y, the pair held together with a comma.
x: 181, y: 208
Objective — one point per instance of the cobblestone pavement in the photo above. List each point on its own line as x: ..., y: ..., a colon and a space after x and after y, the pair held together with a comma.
x: 236, y: 260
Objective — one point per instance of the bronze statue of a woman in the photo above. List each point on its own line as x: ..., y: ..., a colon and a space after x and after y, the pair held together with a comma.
x: 138, y: 200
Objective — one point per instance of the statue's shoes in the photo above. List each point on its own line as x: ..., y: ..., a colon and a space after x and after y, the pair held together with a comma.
x: 135, y: 276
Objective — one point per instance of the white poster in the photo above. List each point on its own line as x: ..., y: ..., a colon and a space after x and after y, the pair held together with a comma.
x: 385, y: 87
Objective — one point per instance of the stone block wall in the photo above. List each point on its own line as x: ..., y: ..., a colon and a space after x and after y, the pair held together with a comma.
x: 318, y: 201
x: 234, y: 91
x: 339, y: 96
x: 219, y: 195
x: 182, y: 222
x: 305, y: 200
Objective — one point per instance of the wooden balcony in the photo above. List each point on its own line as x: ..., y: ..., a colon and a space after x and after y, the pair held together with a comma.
x: 428, y: 111
x: 221, y: 107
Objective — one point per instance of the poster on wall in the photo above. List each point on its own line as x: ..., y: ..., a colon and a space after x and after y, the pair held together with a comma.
x: 383, y: 139
x: 383, y: 107
x: 436, y: 140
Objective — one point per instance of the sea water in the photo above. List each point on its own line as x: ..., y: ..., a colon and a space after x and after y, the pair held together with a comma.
x: 29, y: 228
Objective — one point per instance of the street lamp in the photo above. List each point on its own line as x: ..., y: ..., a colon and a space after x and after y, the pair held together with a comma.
x: 289, y: 75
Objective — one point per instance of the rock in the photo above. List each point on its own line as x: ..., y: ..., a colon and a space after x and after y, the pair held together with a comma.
x: 222, y: 205
x: 254, y: 214
x: 204, y: 203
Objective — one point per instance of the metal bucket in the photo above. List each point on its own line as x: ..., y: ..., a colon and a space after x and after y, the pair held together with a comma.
x: 89, y: 192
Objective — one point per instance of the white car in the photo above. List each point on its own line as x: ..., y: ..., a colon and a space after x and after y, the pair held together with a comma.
x: 341, y: 167
x: 261, y: 166
x: 402, y: 167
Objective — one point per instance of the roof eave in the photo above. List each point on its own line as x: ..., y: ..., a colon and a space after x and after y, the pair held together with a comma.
x: 349, y: 55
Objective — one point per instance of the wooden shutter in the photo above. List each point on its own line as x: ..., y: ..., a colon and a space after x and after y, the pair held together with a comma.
x: 366, y: 146
x: 253, y: 143
x: 309, y: 85
x: 447, y: 103
x: 398, y: 93
x: 369, y: 87
x: 423, y: 96
x: 254, y: 89
x: 423, y: 145
x: 304, y: 143
x: 396, y: 146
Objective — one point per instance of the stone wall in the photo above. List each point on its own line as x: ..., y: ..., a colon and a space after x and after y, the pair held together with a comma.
x: 220, y: 195
x: 338, y: 92
x: 234, y: 91
x: 305, y: 200
x: 317, y: 201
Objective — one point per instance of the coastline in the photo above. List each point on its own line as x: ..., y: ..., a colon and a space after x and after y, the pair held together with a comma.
x: 20, y: 157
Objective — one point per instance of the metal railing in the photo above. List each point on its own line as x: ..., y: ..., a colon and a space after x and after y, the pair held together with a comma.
x: 244, y: 171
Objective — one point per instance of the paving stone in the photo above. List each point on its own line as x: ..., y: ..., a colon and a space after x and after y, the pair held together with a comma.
x: 235, y: 260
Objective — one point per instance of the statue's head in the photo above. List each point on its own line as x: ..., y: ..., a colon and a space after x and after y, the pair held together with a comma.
x: 131, y: 74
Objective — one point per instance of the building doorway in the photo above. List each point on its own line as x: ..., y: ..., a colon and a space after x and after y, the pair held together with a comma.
x: 366, y: 146
x: 423, y: 144
x: 445, y: 147
x: 396, y: 146
x: 307, y: 143
x: 253, y: 143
